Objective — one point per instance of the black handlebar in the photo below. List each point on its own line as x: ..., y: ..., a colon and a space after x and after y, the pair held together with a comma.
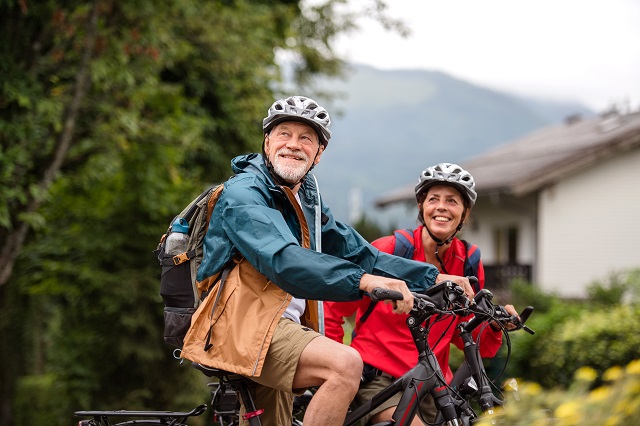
x: 448, y: 297
x: 379, y: 294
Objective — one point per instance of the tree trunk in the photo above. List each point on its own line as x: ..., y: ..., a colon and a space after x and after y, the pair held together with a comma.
x: 11, y: 368
x: 15, y: 240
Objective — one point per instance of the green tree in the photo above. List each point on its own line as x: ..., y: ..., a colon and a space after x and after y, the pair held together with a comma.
x: 112, y: 116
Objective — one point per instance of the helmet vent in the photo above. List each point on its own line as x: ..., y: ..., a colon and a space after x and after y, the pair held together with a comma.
x: 447, y: 173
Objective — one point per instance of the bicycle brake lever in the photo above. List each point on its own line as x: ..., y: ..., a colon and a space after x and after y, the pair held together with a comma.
x: 519, y: 322
x: 524, y: 316
x: 423, y: 303
x: 526, y: 312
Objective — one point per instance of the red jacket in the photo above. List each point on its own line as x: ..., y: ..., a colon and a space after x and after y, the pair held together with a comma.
x: 384, y: 340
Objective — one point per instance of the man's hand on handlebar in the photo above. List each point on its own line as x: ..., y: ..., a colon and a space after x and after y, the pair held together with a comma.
x: 460, y: 281
x: 368, y: 282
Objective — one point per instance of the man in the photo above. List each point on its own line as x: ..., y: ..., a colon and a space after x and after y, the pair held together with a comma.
x: 270, y: 216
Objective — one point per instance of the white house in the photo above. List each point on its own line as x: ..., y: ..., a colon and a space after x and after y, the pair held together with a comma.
x: 560, y: 206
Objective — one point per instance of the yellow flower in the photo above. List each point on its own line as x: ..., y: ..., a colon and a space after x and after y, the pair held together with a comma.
x: 633, y: 367
x: 632, y: 406
x: 612, y: 421
x: 586, y: 374
x: 612, y: 374
x: 632, y: 388
x: 599, y: 394
x: 568, y: 412
x: 531, y: 389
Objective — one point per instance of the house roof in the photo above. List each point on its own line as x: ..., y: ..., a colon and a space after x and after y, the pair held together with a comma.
x: 542, y: 157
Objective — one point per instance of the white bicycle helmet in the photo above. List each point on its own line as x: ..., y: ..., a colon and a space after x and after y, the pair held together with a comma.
x: 448, y: 173
x: 301, y: 109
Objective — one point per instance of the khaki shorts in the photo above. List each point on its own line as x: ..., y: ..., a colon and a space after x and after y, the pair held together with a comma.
x: 273, y: 389
x: 367, y: 391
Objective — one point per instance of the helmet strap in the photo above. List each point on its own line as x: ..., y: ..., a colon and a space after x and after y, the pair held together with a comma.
x: 439, y: 242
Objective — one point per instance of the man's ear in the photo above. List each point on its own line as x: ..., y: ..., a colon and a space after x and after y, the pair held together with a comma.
x: 320, y: 151
x: 265, y: 143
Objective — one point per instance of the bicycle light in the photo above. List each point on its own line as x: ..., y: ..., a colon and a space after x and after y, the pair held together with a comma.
x: 468, y: 387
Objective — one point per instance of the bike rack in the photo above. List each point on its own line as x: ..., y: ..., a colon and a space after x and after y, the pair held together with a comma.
x: 165, y: 417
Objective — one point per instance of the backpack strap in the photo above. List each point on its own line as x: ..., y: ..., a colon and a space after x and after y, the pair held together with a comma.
x: 178, y: 258
x: 214, y: 194
x: 471, y: 262
x: 404, y: 248
x: 404, y: 243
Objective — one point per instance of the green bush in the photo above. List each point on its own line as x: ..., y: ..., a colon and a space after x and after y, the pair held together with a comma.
x: 526, y: 348
x: 523, y: 293
x: 621, y: 287
x: 599, y: 340
x: 598, y: 332
x: 34, y: 402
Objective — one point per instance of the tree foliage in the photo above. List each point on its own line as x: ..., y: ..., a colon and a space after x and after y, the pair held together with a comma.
x: 113, y: 115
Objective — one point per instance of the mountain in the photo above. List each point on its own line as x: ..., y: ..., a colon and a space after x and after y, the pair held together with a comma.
x: 389, y: 125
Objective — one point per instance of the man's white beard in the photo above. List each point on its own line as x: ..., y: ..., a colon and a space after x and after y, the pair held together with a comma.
x: 291, y: 174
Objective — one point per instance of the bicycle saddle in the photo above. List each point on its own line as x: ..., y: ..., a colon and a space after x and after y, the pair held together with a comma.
x: 211, y: 372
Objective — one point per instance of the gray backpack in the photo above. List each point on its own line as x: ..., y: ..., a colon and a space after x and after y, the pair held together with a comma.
x: 178, y: 286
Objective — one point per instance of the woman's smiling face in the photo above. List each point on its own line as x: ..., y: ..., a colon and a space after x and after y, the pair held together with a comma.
x: 442, y: 210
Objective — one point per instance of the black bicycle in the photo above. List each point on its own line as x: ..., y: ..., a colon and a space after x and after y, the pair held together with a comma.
x: 470, y: 382
x: 227, y: 392
x: 454, y: 401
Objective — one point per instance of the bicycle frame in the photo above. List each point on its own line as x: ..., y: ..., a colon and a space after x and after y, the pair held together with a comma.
x: 414, y: 385
x: 425, y: 377
x: 469, y: 381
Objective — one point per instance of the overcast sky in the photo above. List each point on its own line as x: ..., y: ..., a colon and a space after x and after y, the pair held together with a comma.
x: 583, y: 50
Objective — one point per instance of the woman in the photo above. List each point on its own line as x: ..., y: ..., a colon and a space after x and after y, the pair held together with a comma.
x: 445, y: 194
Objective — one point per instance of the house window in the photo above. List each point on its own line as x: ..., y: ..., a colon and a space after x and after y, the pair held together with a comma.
x: 506, y: 245
x: 505, y: 267
x: 512, y: 246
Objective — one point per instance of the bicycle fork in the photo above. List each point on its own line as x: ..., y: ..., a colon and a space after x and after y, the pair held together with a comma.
x: 486, y: 399
x: 421, y: 380
x: 425, y: 377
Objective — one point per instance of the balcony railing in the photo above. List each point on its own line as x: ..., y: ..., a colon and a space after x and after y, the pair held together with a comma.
x: 498, y: 277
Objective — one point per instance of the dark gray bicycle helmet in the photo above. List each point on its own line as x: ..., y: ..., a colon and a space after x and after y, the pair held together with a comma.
x: 448, y: 173
x: 301, y: 109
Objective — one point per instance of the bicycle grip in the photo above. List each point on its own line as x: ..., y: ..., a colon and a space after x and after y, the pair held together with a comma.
x: 379, y: 293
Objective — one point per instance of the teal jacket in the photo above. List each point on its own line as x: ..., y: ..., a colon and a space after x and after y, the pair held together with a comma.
x: 253, y: 217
